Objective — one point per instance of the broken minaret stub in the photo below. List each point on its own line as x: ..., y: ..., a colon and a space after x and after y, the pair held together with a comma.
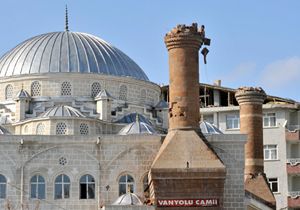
x: 183, y: 44
x: 250, y: 100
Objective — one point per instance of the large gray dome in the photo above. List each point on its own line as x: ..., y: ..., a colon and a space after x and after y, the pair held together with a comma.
x: 68, y: 52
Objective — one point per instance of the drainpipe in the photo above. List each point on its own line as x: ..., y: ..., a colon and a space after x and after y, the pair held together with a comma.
x: 22, y: 186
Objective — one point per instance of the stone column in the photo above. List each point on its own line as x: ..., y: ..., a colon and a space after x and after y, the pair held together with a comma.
x: 250, y: 100
x: 183, y: 44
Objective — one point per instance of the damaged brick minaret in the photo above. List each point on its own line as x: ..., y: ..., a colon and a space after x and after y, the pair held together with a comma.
x: 183, y: 44
x: 185, y: 167
x: 251, y: 100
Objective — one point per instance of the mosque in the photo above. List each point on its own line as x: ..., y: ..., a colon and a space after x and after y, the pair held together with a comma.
x: 82, y: 125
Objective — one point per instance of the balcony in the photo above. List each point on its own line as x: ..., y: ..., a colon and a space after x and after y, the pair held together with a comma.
x: 293, y: 166
x: 292, y: 133
x: 294, y: 199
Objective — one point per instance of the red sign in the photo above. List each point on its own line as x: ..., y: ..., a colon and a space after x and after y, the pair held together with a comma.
x: 207, y: 202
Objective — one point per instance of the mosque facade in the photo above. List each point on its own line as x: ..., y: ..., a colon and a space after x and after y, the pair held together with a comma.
x: 81, y: 125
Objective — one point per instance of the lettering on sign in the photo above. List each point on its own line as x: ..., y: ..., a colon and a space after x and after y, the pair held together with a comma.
x: 207, y: 202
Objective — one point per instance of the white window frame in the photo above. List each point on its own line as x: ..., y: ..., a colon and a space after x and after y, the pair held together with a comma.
x: 273, y: 182
x: 128, y: 184
x: 37, y: 194
x: 230, y: 121
x: 270, y: 148
x: 268, y: 116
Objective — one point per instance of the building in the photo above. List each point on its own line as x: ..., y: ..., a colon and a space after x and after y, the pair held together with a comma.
x: 281, y: 119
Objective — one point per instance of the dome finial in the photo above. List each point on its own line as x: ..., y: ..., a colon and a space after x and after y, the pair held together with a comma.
x: 67, y: 21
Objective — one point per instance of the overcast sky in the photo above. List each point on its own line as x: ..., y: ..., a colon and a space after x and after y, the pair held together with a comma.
x: 256, y: 43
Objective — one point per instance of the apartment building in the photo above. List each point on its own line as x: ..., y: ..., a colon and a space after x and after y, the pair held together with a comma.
x: 281, y: 123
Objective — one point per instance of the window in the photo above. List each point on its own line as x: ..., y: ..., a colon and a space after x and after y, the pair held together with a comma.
x: 87, y: 187
x: 143, y: 96
x: 35, y: 89
x: 25, y: 129
x: 62, y: 187
x: 9, y: 92
x: 123, y: 92
x: 232, y: 122
x: 126, y: 184
x: 66, y: 89
x: 61, y: 128
x: 96, y: 88
x: 269, y: 120
x: 2, y: 187
x: 40, y: 129
x: 273, y: 183
x: 84, y: 129
x: 270, y: 152
x: 37, y: 183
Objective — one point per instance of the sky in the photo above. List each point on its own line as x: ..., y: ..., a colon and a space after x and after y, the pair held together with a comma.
x: 253, y: 43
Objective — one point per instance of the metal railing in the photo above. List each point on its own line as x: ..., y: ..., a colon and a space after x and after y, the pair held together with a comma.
x: 293, y: 128
x: 293, y: 161
x: 294, y: 194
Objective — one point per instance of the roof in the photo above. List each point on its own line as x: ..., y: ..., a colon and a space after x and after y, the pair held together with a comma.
x: 68, y: 52
x: 137, y: 127
x: 103, y: 94
x: 128, y: 199
x: 129, y: 118
x: 62, y: 111
x: 22, y: 94
x: 162, y: 104
x: 208, y: 128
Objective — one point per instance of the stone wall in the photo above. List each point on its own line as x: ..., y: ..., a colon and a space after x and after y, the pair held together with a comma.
x: 81, y: 85
x: 106, y: 158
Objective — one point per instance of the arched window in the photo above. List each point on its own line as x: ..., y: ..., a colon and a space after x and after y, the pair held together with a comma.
x: 9, y: 92
x: 123, y: 92
x: 126, y: 183
x: 66, y: 89
x: 62, y: 187
x: 40, y: 129
x: 96, y: 88
x: 2, y: 187
x: 61, y: 128
x: 84, y: 129
x: 143, y: 95
x: 87, y: 187
x: 35, y: 88
x: 25, y: 129
x: 38, y: 188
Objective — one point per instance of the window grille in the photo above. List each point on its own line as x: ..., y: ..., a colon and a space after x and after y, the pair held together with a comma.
x: 84, y: 129
x: 96, y: 88
x: 35, y: 89
x: 123, y: 93
x: 66, y: 89
x: 61, y: 128
x: 9, y: 92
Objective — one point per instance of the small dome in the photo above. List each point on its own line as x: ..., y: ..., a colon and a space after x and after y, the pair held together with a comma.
x: 129, y: 118
x: 68, y: 52
x: 137, y: 128
x: 3, y: 131
x: 128, y: 199
x: 207, y: 128
x: 62, y: 111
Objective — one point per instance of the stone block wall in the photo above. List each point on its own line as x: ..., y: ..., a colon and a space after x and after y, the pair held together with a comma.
x: 81, y: 86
